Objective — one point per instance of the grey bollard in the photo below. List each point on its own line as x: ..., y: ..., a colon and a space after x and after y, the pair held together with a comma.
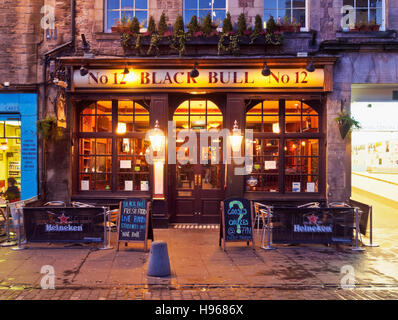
x: 159, y: 264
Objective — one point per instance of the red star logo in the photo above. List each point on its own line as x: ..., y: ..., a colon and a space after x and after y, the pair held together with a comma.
x: 63, y: 219
x: 312, y: 219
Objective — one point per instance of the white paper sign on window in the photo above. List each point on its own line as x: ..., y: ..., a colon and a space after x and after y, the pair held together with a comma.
x: 85, y: 185
x: 269, y: 165
x: 125, y: 164
x: 144, y: 185
x: 310, y: 186
x: 128, y: 185
x: 296, y: 187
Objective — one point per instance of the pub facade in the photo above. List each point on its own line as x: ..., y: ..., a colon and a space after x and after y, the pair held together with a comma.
x: 279, y: 89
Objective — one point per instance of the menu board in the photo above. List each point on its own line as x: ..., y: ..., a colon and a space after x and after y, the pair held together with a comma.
x: 134, y: 220
x: 236, y: 220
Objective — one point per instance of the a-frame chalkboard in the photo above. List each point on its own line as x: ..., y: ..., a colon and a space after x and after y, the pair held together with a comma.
x: 135, y: 222
x: 236, y: 221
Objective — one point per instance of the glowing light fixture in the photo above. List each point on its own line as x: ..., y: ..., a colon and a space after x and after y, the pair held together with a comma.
x: 194, y: 72
x: 121, y: 128
x: 236, y: 138
x: 266, y: 70
x: 157, y: 138
x: 275, y: 128
x: 83, y: 71
x: 310, y: 67
x: 126, y: 70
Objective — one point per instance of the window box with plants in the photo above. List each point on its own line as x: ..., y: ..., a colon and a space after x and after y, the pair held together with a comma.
x: 198, y: 38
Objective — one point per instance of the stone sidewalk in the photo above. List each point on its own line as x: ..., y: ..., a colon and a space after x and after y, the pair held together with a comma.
x: 201, y: 270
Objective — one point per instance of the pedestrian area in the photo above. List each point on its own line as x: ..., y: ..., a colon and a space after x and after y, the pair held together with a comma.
x: 202, y: 270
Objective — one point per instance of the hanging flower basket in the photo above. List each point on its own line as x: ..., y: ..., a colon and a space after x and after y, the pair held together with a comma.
x: 346, y: 124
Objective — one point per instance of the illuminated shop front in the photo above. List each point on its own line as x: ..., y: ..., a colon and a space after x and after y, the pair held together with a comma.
x: 112, y: 112
x: 18, y: 143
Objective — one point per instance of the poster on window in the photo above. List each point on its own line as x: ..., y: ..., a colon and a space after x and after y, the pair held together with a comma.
x: 310, y: 186
x: 269, y: 165
x: 85, y: 185
x: 125, y: 164
x: 128, y: 185
x: 296, y: 187
x: 144, y: 185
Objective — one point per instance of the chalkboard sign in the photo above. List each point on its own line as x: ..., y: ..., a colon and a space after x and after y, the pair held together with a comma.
x: 237, y: 222
x: 134, y: 221
x: 59, y: 224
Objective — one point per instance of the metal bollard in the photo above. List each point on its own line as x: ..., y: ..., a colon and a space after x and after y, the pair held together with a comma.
x: 158, y: 264
x: 106, y: 246
x: 8, y: 243
x: 357, y: 248
x: 371, y: 244
x: 268, y: 247
x: 19, y: 247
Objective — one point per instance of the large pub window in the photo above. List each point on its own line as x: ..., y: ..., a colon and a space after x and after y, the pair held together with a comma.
x: 112, y: 147
x: 367, y: 11
x: 286, y: 146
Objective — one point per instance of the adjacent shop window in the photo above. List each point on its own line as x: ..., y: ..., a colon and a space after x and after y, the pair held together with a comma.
x: 112, y: 147
x: 284, y: 160
x: 200, y: 8
x: 367, y: 11
x: 127, y: 9
x: 286, y: 11
x: 10, y: 158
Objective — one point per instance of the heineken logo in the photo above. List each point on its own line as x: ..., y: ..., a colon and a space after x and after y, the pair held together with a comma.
x: 312, y: 223
x: 63, y: 225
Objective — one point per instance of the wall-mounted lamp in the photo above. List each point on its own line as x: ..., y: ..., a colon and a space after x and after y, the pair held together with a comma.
x: 126, y: 70
x: 83, y: 71
x: 194, y: 72
x: 157, y: 138
x: 266, y: 70
x: 310, y: 66
x: 236, y: 138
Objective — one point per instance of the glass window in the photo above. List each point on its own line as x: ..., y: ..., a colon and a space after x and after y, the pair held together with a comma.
x: 117, y: 9
x: 287, y: 159
x: 294, y: 11
x: 367, y: 11
x: 200, y: 8
x: 106, y: 150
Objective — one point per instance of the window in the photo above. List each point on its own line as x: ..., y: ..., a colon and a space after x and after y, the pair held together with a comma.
x: 117, y: 9
x: 112, y: 147
x: 286, y: 146
x: 368, y: 11
x: 291, y: 10
x: 200, y: 8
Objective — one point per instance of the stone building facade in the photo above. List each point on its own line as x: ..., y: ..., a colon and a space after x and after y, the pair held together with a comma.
x: 361, y: 58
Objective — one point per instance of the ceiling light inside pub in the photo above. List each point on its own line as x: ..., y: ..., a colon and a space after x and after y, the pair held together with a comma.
x: 121, y: 128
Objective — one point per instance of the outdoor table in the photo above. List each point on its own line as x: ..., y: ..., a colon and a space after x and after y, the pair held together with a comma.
x: 325, y: 225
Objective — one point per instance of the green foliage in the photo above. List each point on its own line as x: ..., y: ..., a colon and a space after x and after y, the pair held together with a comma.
x: 258, y: 24
x: 271, y: 25
x: 162, y: 25
x: 207, y: 25
x: 227, y: 24
x: 125, y: 40
x: 154, y: 45
x: 48, y: 129
x: 241, y: 24
x: 134, y: 26
x: 346, y: 123
x: 179, y: 26
x: 151, y: 25
x: 193, y: 25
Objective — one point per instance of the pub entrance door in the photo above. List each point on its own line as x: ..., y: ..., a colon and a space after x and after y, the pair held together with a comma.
x: 198, y: 177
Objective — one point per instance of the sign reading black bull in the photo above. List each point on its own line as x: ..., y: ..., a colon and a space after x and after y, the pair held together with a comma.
x: 55, y: 224
x: 237, y: 223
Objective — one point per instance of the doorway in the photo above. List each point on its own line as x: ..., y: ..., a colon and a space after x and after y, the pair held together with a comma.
x: 198, y: 177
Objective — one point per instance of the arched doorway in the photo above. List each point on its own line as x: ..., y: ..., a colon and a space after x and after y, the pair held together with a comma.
x: 197, y: 179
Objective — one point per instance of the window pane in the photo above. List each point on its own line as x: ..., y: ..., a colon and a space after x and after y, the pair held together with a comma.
x: 218, y: 17
x: 198, y: 122
x: 270, y: 4
x: 203, y: 14
x: 103, y: 181
x: 257, y: 109
x: 125, y: 124
x: 298, y: 3
x: 205, y: 4
x: 13, y: 128
x: 362, y: 3
x: 299, y: 17
x: 141, y: 4
x: 112, y: 18
x: 104, y: 124
x: 211, y: 177
x: 375, y: 3
x: 87, y: 124
x: 89, y: 109
x: 376, y: 16
x: 103, y: 146
x: 140, y: 147
x: 87, y: 146
x: 113, y: 4
x: 141, y: 123
x: 128, y: 14
x: 125, y: 146
x: 191, y: 4
x: 125, y: 107
x: 181, y: 122
x: 87, y: 164
x: 185, y: 177
x: 86, y: 182
x: 310, y: 124
x: 103, y: 164
x: 292, y: 123
x: 284, y: 4
x: 271, y: 124
x: 128, y: 4
x: 362, y: 15
x: 214, y: 122
x: 254, y: 123
x: 104, y: 107
x: 271, y: 107
x: 125, y: 182
x: 219, y: 4
x: 268, y: 13
x: 188, y: 14
x: 142, y: 17
x: 310, y: 165
x: 348, y: 3
x: 293, y: 107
